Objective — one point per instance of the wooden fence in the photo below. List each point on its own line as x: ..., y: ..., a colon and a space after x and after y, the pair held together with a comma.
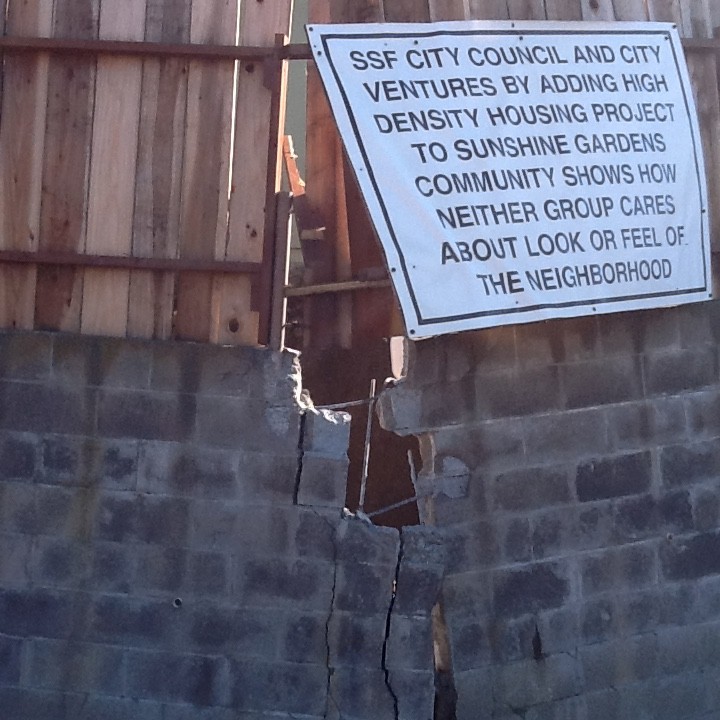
x: 351, y: 319
x: 139, y: 165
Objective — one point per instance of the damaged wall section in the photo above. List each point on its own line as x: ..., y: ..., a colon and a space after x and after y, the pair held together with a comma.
x: 583, y: 562
x: 172, y: 544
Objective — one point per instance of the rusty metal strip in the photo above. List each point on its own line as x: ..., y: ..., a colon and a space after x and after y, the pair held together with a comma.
x: 336, y: 287
x: 152, y: 49
x: 131, y: 263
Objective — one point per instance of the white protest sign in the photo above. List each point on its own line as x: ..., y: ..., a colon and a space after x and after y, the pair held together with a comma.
x: 523, y: 171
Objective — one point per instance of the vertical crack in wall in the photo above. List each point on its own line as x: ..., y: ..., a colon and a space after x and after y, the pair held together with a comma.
x: 388, y: 624
x: 301, y: 455
x: 329, y: 697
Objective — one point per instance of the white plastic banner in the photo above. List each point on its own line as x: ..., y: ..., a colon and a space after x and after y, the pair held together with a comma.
x: 523, y: 171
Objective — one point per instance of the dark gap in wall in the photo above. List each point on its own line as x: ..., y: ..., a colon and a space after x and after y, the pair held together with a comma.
x: 334, y: 376
x: 445, y: 692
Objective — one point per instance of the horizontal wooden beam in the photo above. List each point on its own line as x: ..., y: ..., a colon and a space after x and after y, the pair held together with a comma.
x: 130, y: 263
x: 335, y: 287
x: 191, y: 51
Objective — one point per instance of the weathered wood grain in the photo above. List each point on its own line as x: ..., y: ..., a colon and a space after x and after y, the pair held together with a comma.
x: 489, y: 10
x: 206, y: 165
x: 112, y: 177
x: 526, y: 9
x: 22, y: 131
x: 449, y: 10
x: 68, y: 136
x: 156, y: 222
x: 598, y: 10
x: 234, y: 320
x: 630, y: 10
x: 407, y: 11
x: 563, y: 9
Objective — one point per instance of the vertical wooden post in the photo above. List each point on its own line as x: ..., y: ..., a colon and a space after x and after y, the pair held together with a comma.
x: 206, y: 166
x: 22, y: 134
x: 66, y: 168
x: 112, y: 175
x: 598, y: 10
x: 281, y: 267
x: 156, y: 223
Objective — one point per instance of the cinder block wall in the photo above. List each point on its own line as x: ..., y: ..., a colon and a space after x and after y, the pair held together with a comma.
x: 576, y: 467
x: 172, y: 545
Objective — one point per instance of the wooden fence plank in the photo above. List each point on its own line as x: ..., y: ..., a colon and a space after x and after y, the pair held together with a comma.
x: 598, y: 10
x: 407, y: 11
x: 630, y: 10
x: 156, y: 223
x: 563, y: 9
x: 206, y: 163
x: 66, y: 167
x: 22, y: 131
x: 234, y: 319
x: 526, y: 9
x: 112, y: 177
x: 449, y: 10
x: 489, y: 10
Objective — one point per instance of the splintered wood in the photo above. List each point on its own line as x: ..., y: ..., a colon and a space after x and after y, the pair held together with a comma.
x: 133, y: 156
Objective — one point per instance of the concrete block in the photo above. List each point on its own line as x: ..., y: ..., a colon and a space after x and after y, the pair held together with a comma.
x: 691, y: 557
x: 364, y: 589
x: 514, y: 539
x: 81, y: 667
x: 706, y: 509
x: 145, y: 415
x: 620, y: 662
x: 410, y: 643
x: 673, y: 372
x: 248, y: 424
x: 703, y: 413
x: 37, y: 612
x: 113, y: 566
x: 314, y: 534
x: 61, y: 563
x: 399, y: 409
x: 304, y: 639
x: 326, y: 433
x: 91, y: 707
x: 447, y: 404
x: 323, y: 481
x: 11, y: 650
x: 645, y: 424
x: 602, y: 381
x: 418, y: 588
x: 614, y: 477
x: 676, y: 512
x: 361, y: 542
x: 530, y: 488
x: 356, y: 640
x: 361, y: 693
x: 415, y: 692
x: 567, y: 709
x: 47, y: 408
x: 554, y: 532
x: 560, y: 341
x: 636, y: 518
x: 280, y: 583
x: 15, y: 569
x: 187, y: 470
x: 470, y: 546
x: 569, y: 435
x: 160, y: 569
x: 688, y: 649
x: 509, y: 640
x: 291, y: 688
x: 522, y: 685
x: 470, y: 642
x: 515, y: 393
x: 129, y: 621
x: 146, y: 518
x: 638, y: 612
x: 19, y: 704
x: 475, y: 694
x: 195, y: 679
x: 530, y: 588
x: 598, y: 620
x: 268, y: 479
x: 681, y: 696
x: 639, y: 332
x: 208, y: 574
x: 632, y: 566
x: 468, y: 594
x: 18, y: 457
x: 25, y: 355
x: 690, y: 463
x: 220, y: 629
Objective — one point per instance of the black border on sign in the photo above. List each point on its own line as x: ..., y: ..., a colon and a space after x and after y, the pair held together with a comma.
x: 524, y: 32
